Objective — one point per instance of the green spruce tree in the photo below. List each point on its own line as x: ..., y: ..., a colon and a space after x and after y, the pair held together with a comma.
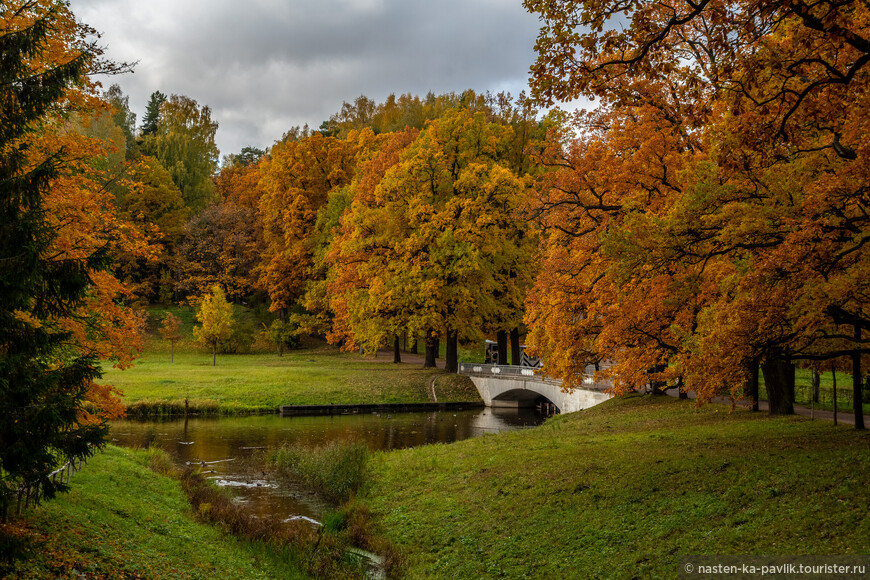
x: 152, y: 114
x: 42, y: 381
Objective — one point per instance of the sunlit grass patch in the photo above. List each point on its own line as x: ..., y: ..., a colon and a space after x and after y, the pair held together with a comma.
x: 263, y: 382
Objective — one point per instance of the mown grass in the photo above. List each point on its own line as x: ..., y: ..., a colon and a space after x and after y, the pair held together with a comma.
x: 261, y: 382
x: 122, y: 520
x: 164, y: 377
x: 622, y: 490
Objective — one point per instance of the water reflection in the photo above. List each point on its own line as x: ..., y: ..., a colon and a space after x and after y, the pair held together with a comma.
x: 222, y: 447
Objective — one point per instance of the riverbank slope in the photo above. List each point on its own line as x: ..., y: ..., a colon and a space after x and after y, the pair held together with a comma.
x: 623, y: 490
x: 122, y: 520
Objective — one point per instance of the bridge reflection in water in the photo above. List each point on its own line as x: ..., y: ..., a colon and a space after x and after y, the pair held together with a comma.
x: 517, y: 387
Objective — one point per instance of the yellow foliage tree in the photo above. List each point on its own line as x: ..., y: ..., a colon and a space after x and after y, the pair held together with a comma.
x: 215, y: 315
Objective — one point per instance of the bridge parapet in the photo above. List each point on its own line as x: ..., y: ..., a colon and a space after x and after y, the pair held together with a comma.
x: 528, y: 373
x: 515, y: 386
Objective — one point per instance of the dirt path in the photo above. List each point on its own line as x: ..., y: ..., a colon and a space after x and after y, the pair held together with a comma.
x: 386, y: 356
x: 846, y: 417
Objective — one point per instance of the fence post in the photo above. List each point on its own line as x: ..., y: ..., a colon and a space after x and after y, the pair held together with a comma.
x: 834, y: 377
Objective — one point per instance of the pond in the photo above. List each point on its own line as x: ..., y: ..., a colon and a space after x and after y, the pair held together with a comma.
x: 223, y: 447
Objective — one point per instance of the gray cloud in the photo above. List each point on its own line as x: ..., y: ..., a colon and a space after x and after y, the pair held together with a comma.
x: 264, y: 66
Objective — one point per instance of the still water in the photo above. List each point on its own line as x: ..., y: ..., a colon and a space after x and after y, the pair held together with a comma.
x: 223, y: 447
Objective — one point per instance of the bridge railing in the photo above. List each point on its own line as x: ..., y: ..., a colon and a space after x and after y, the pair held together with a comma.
x: 517, y: 372
x: 504, y: 371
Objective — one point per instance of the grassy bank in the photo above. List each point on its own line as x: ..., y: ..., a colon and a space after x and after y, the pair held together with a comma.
x: 121, y: 520
x: 624, y: 489
x: 257, y: 382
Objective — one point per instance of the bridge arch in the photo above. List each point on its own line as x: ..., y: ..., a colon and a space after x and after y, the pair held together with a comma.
x: 507, y: 386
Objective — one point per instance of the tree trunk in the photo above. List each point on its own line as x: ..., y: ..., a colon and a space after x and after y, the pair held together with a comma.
x: 658, y: 387
x: 682, y: 393
x: 431, y: 343
x: 214, y: 354
x: 501, y: 338
x: 857, y: 399
x: 516, y: 355
x: 437, y: 347
x: 413, y: 345
x: 779, y: 380
x: 397, y: 356
x: 451, y: 359
x: 750, y: 388
x: 817, y: 384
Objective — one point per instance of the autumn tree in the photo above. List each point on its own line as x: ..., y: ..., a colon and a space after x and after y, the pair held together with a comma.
x: 296, y: 180
x: 775, y: 93
x: 184, y: 144
x: 50, y: 347
x: 154, y: 199
x: 404, y: 112
x: 432, y: 233
x: 154, y: 203
x: 170, y: 331
x: 222, y: 245
x: 215, y: 316
x: 123, y: 118
x: 597, y: 298
x: 237, y: 182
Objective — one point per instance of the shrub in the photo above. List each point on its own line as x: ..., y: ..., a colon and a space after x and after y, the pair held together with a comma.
x: 241, y: 339
x: 283, y: 335
x: 337, y: 470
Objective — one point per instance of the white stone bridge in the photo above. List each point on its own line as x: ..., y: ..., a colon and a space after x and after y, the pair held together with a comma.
x: 513, y: 386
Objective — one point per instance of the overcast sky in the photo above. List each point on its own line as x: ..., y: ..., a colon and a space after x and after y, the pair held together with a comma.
x: 264, y: 66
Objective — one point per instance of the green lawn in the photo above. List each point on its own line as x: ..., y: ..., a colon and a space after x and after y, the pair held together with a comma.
x: 122, y: 520
x: 312, y: 376
x: 622, y: 490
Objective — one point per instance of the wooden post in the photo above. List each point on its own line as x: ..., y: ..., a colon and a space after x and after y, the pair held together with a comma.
x: 857, y: 403
x: 834, y: 376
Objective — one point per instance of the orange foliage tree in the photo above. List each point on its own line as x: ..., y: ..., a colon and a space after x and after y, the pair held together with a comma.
x: 773, y: 216
x: 295, y: 182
